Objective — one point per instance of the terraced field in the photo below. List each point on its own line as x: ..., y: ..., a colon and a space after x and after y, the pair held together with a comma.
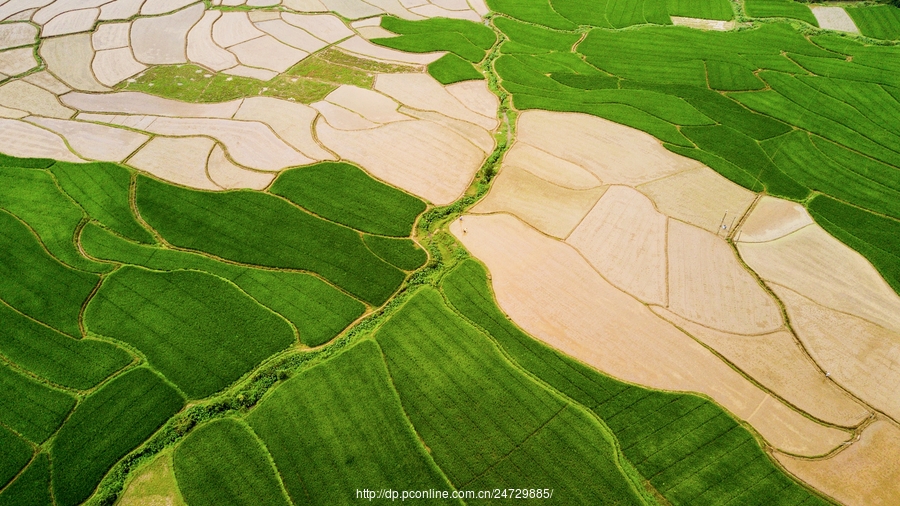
x: 304, y: 251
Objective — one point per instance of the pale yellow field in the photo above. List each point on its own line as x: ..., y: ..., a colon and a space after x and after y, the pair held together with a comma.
x: 153, y: 485
x: 771, y: 219
x: 179, y: 160
x: 550, y: 167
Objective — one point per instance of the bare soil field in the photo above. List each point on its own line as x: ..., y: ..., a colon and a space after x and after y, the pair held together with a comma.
x: 92, y: 141
x: 771, y: 219
x: 550, y: 167
x: 28, y: 97
x: 422, y: 91
x: 229, y: 176
x: 179, y: 160
x: 834, y: 18
x: 703, y: 24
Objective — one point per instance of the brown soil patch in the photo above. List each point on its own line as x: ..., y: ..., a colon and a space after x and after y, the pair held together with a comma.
x: 550, y: 167
x: 771, y: 219
x: 860, y: 356
x: 701, y: 197
x: 95, y: 142
x: 552, y: 209
x: 616, y: 154
x: 177, y: 160
x: 816, y: 265
x: 778, y: 363
x: 708, y: 285
x: 865, y: 474
x: 552, y: 292
x: 624, y: 238
x: 424, y: 158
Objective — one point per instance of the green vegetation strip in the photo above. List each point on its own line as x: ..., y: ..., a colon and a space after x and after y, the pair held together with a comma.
x: 176, y: 320
x: 32, y: 487
x: 16, y: 454
x: 877, y: 21
x: 779, y: 9
x: 222, y: 462
x: 404, y: 253
x: 31, y: 409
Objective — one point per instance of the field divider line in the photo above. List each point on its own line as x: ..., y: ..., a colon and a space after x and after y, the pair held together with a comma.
x: 35, y: 451
x: 268, y: 456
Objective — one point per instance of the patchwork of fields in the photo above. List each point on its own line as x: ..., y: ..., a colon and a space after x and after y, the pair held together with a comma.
x: 279, y: 251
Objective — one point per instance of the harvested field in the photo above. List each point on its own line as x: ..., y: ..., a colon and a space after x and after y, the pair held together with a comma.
x: 550, y: 167
x: 816, y: 265
x: 28, y: 97
x: 92, y: 141
x: 425, y: 159
x: 120, y: 9
x: 229, y: 176
x: 473, y: 133
x: 112, y: 66
x: 863, y: 474
x: 161, y: 40
x: 703, y: 24
x: 624, y: 238
x: 772, y: 219
x: 778, y: 363
x: 834, y: 18
x: 233, y: 28
x: 701, y: 197
x: 476, y: 96
x: 201, y: 48
x: 859, y: 355
x: 153, y: 7
x: 267, y: 53
x: 25, y: 140
x: 6, y: 112
x: 17, y: 34
x: 251, y: 72
x: 179, y: 160
x: 367, y: 103
x: 17, y: 61
x: 81, y: 20
x: 616, y: 154
x: 552, y: 209
x: 69, y: 58
x: 553, y: 294
x: 342, y: 118
x: 291, y: 121
x: 709, y: 286
x: 46, y: 80
x: 323, y: 26
x: 111, y: 36
x: 153, y: 484
x: 421, y: 91
x: 129, y: 102
x: 291, y: 35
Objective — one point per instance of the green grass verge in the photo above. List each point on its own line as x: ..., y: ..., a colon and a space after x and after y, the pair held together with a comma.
x: 688, y: 448
x: 128, y: 409
x: 176, y: 320
x: 102, y: 190
x: 779, y: 9
x: 876, y: 21
x: 404, y: 253
x: 32, y: 487
x: 36, y: 283
x: 345, y: 194
x: 703, y: 9
x: 483, y: 420
x: 222, y: 462
x: 344, y: 412
x: 56, y: 357
x: 449, y: 69
x: 15, y: 456
x: 30, y: 408
x: 259, y: 229
x: 34, y: 197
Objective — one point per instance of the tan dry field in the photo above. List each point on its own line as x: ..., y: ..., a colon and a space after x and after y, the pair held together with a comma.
x: 6, y: 112
x: 161, y: 40
x: 233, y: 28
x: 703, y: 24
x: 816, y: 265
x: 130, y: 102
x: 224, y: 173
x: 323, y: 26
x: 374, y: 32
x: 478, y: 136
x: 291, y: 121
x: 708, y: 284
x: 120, y: 9
x: 624, y: 238
x: 421, y: 91
x: 153, y: 485
x: 46, y: 81
x: 864, y: 474
x: 17, y: 34
x: 291, y: 35
x: 782, y: 367
x: 203, y: 50
x: 548, y: 289
x: 367, y: 103
x: 860, y: 356
x: 431, y: 10
x: 179, y: 160
x: 28, y: 97
x: 54, y: 9
x: 92, y: 141
x: 17, y: 61
x: 549, y: 167
x: 76, y: 21
x: 341, y: 118
x: 112, y: 66
x: 771, y: 219
x: 153, y: 7
x: 69, y: 59
x: 423, y: 158
x: 26, y: 141
x: 111, y: 36
x: 701, y: 197
x: 616, y: 154
x: 834, y: 18
x: 267, y: 53
x: 476, y: 96
x: 552, y: 209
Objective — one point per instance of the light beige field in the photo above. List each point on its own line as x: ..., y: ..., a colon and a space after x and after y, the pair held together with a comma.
x: 6, y: 112
x: 778, y: 363
x: 27, y: 141
x: 251, y: 72
x: 424, y: 158
x: 549, y: 290
x: 701, y: 197
x: 323, y: 26
x: 862, y: 357
x: 129, y: 102
x: 476, y: 96
x: 203, y: 50
x: 367, y: 103
x: 478, y: 136
x: 814, y: 264
x: 45, y: 80
x: 28, y: 97
x: 112, y: 66
x: 17, y: 34
x: 552, y: 209
x: 92, y: 141
x: 111, y: 36
x: 421, y: 91
x: 179, y: 160
x: 153, y: 7
x: 616, y: 154
x: 708, y: 285
x: 267, y: 53
x: 703, y: 24
x: 69, y: 59
x: 233, y: 28
x: 291, y: 121
x: 361, y: 46
x: 834, y: 18
x: 50, y: 10
x: 229, y: 176
x: 864, y: 474
x: 550, y: 167
x: 342, y: 118
x: 75, y: 21
x: 17, y: 61
x: 771, y: 219
x: 120, y: 9
x: 624, y: 238
x: 291, y: 35
x: 162, y: 40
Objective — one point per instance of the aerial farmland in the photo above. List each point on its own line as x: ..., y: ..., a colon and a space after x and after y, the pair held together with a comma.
x: 338, y: 252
